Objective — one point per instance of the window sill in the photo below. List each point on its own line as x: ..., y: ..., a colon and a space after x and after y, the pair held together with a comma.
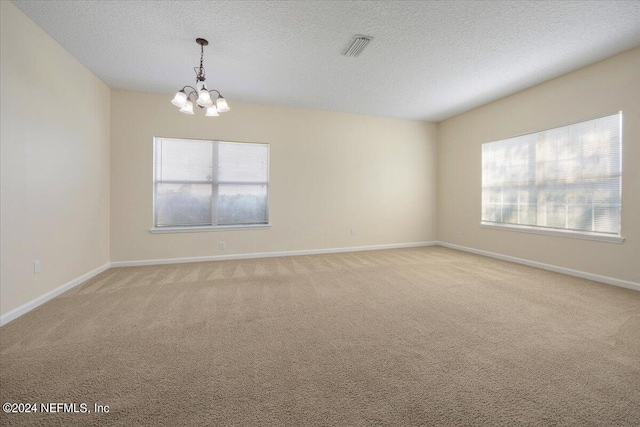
x: 609, y: 238
x: 200, y: 229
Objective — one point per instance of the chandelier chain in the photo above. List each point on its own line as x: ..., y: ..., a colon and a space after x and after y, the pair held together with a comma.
x: 201, y: 59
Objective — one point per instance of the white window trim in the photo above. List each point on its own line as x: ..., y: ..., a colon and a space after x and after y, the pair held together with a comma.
x: 585, y: 235
x: 206, y: 228
x: 576, y: 234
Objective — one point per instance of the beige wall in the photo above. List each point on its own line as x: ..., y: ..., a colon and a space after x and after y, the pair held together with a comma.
x: 54, y: 144
x: 603, y: 88
x: 330, y: 172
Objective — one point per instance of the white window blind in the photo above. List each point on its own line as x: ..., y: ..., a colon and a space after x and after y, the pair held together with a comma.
x: 210, y: 183
x: 564, y: 178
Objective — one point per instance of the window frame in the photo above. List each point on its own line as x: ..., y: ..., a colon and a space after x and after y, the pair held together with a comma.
x: 215, y: 183
x: 561, y: 232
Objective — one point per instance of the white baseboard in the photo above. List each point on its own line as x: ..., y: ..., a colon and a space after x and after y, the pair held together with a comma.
x: 24, y: 308
x: 582, y: 274
x: 17, y: 312
x: 268, y: 254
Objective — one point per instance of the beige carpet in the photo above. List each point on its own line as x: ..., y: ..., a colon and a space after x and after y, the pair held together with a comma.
x: 424, y: 336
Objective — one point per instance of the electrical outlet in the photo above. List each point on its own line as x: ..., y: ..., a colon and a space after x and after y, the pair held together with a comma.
x: 37, y: 267
x: 222, y: 246
x: 353, y: 231
x: 460, y: 230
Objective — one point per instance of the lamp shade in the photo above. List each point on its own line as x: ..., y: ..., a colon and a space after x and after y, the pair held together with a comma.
x: 204, y: 98
x: 222, y: 105
x: 180, y: 99
x: 204, y: 94
x: 188, y: 108
x: 212, y: 111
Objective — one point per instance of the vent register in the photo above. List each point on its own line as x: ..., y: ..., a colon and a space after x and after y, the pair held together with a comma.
x: 357, y: 46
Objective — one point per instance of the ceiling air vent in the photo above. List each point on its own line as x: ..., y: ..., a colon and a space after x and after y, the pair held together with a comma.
x: 357, y: 46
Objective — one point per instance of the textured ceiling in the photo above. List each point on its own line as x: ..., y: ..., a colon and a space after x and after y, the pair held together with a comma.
x: 429, y: 60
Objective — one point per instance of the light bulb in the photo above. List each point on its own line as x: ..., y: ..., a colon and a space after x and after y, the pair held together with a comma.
x: 188, y: 108
x: 222, y: 105
x: 212, y: 111
x: 180, y: 99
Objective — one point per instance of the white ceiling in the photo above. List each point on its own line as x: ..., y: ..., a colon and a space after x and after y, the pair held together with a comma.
x: 429, y: 60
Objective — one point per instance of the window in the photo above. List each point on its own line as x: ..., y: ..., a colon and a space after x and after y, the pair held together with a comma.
x: 567, y: 179
x: 209, y: 184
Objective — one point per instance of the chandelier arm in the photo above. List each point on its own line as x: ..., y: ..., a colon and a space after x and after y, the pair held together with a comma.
x: 214, y: 90
x: 192, y: 90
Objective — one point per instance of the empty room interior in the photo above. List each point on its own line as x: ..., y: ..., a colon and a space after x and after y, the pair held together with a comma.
x: 320, y: 213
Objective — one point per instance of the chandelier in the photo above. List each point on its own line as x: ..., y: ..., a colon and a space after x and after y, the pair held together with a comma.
x: 200, y: 95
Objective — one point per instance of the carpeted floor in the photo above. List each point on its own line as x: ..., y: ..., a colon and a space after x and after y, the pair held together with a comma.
x: 423, y: 336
